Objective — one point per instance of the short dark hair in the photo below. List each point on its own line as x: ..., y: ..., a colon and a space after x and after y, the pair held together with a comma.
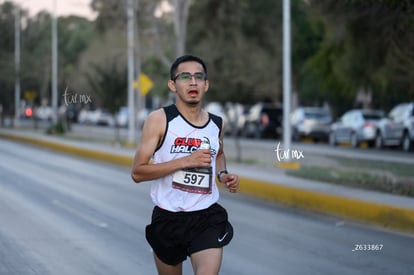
x: 186, y: 58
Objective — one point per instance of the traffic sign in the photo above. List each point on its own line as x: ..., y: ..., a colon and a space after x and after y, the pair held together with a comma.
x: 144, y: 83
x: 30, y: 95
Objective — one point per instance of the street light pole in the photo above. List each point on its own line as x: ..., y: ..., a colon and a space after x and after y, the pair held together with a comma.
x: 287, y: 84
x: 131, y: 104
x: 54, y: 64
x: 140, y: 98
x: 181, y: 8
x: 17, y: 66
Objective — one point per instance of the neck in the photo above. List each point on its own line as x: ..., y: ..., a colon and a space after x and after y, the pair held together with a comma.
x: 192, y: 112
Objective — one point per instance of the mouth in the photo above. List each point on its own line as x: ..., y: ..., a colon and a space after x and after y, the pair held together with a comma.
x: 193, y: 93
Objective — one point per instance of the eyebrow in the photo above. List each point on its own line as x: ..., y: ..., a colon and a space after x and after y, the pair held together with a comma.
x: 191, y: 73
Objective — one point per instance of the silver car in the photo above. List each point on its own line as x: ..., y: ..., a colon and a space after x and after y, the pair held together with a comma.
x: 310, y: 122
x: 356, y: 126
x: 397, y: 129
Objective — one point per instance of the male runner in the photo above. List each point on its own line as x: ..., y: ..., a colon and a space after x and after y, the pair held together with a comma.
x: 186, y: 220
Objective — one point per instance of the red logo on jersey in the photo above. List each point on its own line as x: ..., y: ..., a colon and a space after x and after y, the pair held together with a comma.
x: 185, y: 145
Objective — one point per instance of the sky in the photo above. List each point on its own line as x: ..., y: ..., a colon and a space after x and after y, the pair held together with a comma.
x: 63, y: 7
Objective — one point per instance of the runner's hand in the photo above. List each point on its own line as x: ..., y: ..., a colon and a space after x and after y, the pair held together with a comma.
x: 199, y: 158
x: 231, y: 181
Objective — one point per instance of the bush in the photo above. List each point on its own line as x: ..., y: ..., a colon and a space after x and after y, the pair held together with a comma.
x: 56, y: 128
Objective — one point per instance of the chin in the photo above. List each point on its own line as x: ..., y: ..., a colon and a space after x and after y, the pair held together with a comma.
x: 193, y: 101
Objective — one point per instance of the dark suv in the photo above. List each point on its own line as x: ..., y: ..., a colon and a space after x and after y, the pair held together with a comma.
x: 263, y: 120
x: 397, y: 129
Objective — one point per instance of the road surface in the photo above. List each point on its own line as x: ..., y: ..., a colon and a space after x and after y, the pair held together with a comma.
x: 65, y: 215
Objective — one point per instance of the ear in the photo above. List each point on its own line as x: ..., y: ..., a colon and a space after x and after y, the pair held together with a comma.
x: 206, y: 86
x: 171, y: 85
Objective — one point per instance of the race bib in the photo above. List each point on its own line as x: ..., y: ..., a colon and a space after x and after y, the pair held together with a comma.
x: 193, y: 180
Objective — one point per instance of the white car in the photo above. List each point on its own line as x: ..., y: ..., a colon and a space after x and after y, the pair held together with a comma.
x: 122, y: 117
x: 44, y: 113
x: 96, y: 117
x: 216, y: 109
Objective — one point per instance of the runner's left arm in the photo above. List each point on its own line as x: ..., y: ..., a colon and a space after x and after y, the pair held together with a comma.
x: 231, y: 181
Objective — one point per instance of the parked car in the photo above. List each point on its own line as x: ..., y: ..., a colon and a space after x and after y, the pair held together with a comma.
x: 356, y: 126
x: 96, y: 117
x: 122, y: 116
x: 397, y: 129
x: 311, y: 122
x: 105, y: 118
x: 236, y: 118
x: 263, y: 120
x: 217, y: 109
x: 88, y: 116
x: 44, y: 113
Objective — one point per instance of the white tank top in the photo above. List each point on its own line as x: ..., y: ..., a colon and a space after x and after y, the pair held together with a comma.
x: 186, y: 190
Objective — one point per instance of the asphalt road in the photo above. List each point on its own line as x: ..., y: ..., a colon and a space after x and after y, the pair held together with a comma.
x: 64, y: 215
x: 262, y: 151
x: 259, y: 151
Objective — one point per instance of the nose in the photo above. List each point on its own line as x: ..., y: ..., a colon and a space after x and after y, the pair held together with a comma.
x: 193, y: 80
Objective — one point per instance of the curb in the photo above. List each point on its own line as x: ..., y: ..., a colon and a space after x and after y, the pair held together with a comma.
x: 72, y: 150
x: 396, y: 218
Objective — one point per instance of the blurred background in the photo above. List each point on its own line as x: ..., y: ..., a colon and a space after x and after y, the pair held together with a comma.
x: 345, y: 55
x: 88, y: 72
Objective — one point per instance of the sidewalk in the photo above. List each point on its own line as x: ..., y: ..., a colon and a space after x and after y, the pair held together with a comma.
x: 271, y: 183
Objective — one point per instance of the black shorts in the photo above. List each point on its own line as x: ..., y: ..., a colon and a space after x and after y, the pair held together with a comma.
x: 175, y: 235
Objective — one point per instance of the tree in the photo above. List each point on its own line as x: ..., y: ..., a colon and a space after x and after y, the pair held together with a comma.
x: 363, y: 43
x: 109, y: 84
x: 338, y: 48
x: 244, y: 59
x: 104, y: 55
x: 74, y: 35
x: 7, y: 65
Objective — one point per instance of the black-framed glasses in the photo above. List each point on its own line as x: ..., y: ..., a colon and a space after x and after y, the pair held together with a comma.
x: 187, y: 77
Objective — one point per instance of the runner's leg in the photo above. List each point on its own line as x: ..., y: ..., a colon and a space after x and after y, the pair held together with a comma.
x: 207, y: 262
x: 166, y: 269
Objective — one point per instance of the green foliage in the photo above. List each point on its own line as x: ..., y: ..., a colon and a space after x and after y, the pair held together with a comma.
x: 57, y: 128
x: 7, y: 11
x: 239, y: 41
x: 400, y: 169
x: 111, y: 14
x: 74, y: 34
x: 389, y: 177
x: 362, y: 48
x: 357, y: 178
x: 109, y: 84
x: 7, y: 67
x: 338, y: 48
x: 159, y: 74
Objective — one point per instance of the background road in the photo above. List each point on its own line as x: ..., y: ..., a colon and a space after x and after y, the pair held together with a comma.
x: 262, y: 151
x: 64, y: 215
